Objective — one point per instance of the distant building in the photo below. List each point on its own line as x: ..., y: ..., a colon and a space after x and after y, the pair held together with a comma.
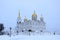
x: 32, y: 25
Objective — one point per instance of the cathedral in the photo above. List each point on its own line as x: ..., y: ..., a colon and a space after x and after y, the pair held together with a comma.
x: 30, y: 26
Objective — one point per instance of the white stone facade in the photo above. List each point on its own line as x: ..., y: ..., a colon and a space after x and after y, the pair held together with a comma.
x: 32, y: 25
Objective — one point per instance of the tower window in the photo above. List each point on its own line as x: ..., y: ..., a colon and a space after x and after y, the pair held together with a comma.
x: 19, y: 22
x: 41, y: 30
x: 22, y: 30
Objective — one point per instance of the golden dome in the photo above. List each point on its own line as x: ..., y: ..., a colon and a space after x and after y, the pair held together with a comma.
x: 34, y: 14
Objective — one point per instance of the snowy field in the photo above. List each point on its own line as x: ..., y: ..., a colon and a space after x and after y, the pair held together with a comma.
x: 30, y: 37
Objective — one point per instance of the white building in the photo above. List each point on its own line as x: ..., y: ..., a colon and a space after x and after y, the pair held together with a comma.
x: 31, y: 26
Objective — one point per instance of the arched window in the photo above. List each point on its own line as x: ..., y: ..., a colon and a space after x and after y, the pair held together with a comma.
x: 41, y: 30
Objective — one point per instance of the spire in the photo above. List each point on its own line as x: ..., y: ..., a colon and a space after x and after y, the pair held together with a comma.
x: 34, y: 12
x: 19, y: 18
x: 19, y: 14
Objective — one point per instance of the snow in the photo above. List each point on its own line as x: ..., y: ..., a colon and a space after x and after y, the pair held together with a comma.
x: 30, y: 37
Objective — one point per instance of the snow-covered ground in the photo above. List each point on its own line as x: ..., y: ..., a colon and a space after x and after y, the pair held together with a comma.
x: 30, y: 37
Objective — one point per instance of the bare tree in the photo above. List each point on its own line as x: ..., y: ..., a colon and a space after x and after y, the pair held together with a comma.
x: 10, y: 31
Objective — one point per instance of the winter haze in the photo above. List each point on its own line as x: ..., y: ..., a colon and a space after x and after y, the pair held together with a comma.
x: 49, y: 8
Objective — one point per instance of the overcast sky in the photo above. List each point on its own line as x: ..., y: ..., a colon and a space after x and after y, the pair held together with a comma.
x: 49, y: 8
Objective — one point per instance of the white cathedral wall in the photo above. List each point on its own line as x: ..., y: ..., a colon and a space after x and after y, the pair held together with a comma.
x: 31, y: 24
